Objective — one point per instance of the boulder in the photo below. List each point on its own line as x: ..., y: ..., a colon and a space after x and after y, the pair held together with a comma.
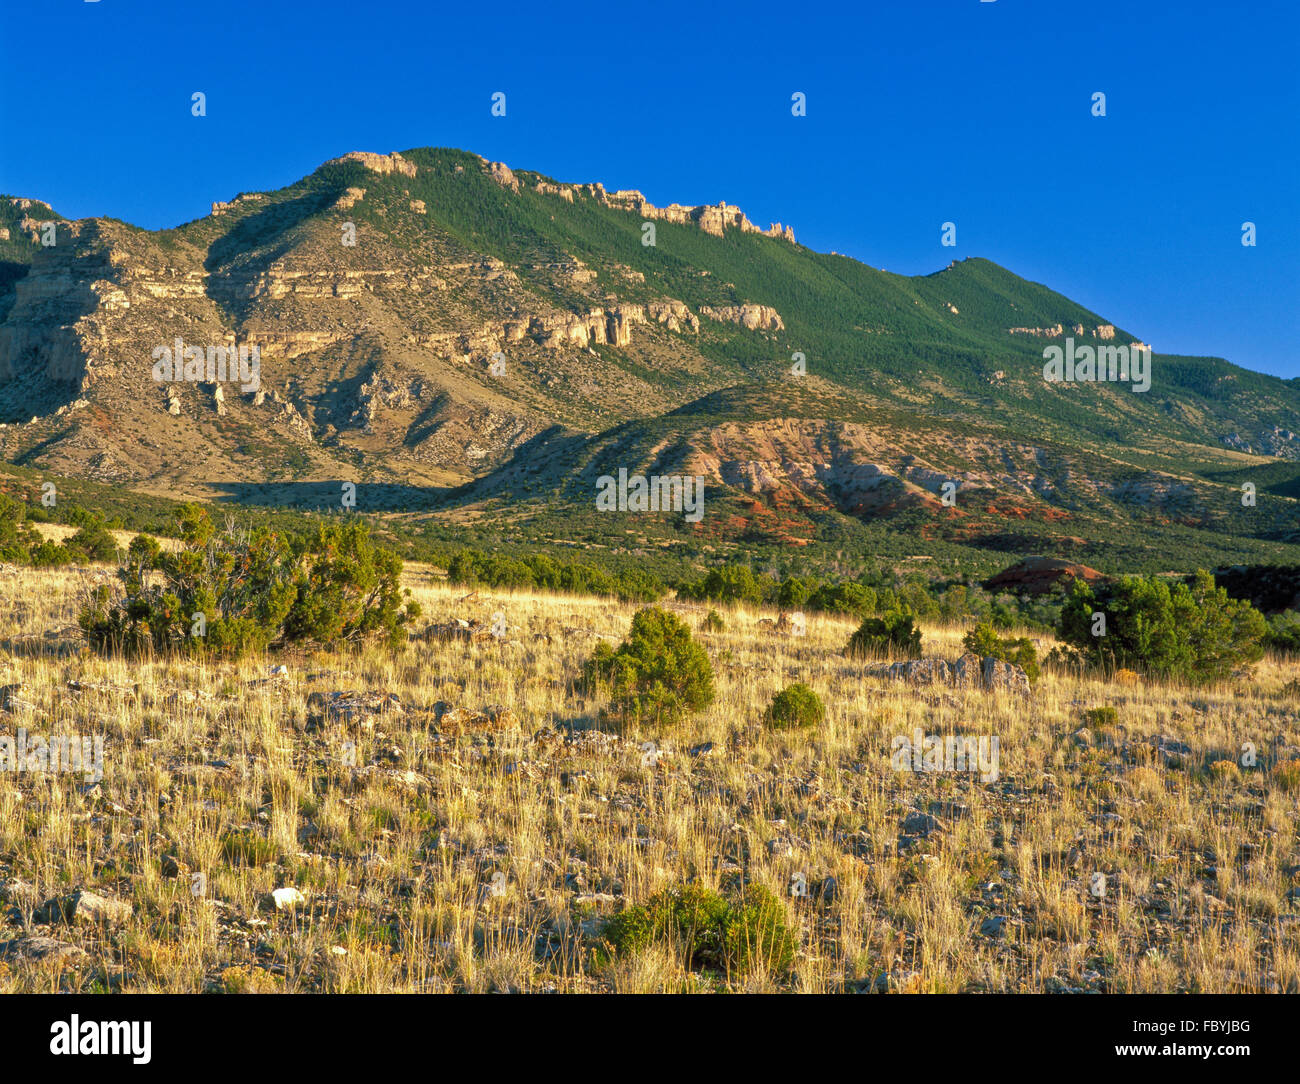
x: 84, y: 906
x: 468, y: 631
x: 40, y: 949
x: 921, y: 672
x: 1002, y: 676
x: 968, y: 672
x: 465, y: 720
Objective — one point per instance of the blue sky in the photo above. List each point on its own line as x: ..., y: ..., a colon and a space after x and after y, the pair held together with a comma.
x: 917, y: 113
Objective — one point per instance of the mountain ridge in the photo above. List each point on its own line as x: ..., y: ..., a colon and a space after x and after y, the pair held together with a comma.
x: 483, y: 307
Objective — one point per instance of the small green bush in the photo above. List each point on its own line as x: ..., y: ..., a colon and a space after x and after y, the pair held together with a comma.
x: 795, y: 706
x: 1106, y: 715
x: 757, y: 934
x: 714, y: 623
x: 709, y: 932
x: 658, y: 673
x: 245, y: 847
x: 895, y: 633
x: 984, y: 641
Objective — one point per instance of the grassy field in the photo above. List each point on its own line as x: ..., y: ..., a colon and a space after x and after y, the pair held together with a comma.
x: 1125, y: 853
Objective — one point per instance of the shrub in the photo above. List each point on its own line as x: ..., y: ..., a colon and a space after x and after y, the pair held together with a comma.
x: 1283, y: 634
x: 93, y: 542
x: 245, y: 847
x: 793, y: 593
x: 657, y: 674
x: 714, y: 623
x: 757, y: 934
x: 795, y: 706
x: 252, y: 588
x: 347, y: 589
x: 893, y: 633
x: 1193, y: 632
x: 708, y: 931
x: 16, y: 535
x: 731, y: 583
x: 1225, y: 771
x: 843, y: 598
x: 1106, y: 715
x: 1286, y: 774
x: 47, y: 554
x: 1065, y: 659
x: 983, y: 640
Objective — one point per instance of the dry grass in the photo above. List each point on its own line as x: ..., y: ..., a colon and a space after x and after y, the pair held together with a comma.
x: 396, y: 834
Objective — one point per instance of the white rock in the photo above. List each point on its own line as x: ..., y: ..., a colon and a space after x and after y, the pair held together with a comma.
x: 287, y: 898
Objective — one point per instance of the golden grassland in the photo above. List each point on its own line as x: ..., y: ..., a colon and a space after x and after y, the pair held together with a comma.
x: 483, y: 861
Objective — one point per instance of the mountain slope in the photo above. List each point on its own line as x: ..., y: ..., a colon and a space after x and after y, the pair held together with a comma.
x: 492, y: 327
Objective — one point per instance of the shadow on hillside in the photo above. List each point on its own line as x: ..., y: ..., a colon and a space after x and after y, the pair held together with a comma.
x: 328, y: 496
x: 269, y: 234
x: 547, y: 458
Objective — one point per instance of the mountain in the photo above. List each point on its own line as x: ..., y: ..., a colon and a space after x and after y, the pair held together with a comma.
x: 487, y: 343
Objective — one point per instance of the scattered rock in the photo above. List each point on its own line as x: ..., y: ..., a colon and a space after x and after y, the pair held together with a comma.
x: 898, y: 982
x: 349, y: 706
x: 10, y: 701
x: 84, y: 906
x: 968, y: 672
x: 921, y: 824
x: 40, y: 949
x: 457, y: 630
x: 19, y: 894
x: 827, y: 891
x: 286, y: 899
x: 464, y: 720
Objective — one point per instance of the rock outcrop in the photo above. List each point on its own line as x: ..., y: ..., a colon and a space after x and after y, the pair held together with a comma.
x: 377, y: 163
x: 713, y: 218
x: 502, y: 174
x: 612, y: 326
x: 968, y: 672
x: 350, y: 198
x: 219, y: 209
x: 673, y: 315
x: 1056, y: 331
x: 754, y: 317
x: 1037, y: 575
